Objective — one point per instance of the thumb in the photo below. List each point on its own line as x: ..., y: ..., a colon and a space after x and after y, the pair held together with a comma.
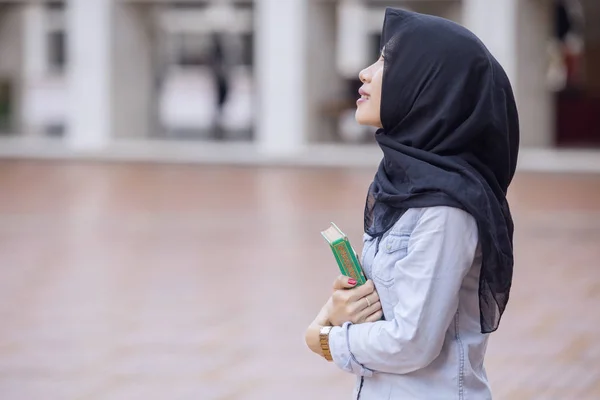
x: 343, y: 282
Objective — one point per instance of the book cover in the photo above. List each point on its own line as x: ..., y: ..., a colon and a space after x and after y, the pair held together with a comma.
x: 344, y: 254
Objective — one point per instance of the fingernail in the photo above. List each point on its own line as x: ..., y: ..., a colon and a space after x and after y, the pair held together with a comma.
x: 352, y: 281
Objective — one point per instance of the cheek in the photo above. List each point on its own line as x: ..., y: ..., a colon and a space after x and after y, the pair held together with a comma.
x: 376, y: 86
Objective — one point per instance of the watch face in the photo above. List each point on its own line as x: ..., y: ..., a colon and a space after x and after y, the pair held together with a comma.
x: 325, y: 330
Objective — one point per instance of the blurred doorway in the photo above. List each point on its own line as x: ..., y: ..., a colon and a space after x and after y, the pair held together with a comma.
x: 206, y: 89
x: 576, y: 60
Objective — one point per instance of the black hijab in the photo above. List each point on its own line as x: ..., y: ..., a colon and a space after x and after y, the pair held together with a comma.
x: 450, y: 137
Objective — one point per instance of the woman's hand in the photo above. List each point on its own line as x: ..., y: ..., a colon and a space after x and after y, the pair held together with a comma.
x: 354, y: 304
x: 347, y: 303
x: 311, y: 336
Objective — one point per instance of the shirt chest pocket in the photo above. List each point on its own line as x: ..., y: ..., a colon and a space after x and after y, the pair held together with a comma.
x: 392, y: 248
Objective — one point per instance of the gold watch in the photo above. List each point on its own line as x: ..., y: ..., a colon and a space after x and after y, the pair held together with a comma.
x: 324, y: 339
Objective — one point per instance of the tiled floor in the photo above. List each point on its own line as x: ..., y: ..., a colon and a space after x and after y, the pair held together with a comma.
x: 185, y: 282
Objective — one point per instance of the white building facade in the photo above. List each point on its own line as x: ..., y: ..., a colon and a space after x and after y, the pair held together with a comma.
x: 100, y: 72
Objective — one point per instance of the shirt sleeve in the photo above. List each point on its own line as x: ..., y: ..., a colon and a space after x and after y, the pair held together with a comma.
x: 427, y: 284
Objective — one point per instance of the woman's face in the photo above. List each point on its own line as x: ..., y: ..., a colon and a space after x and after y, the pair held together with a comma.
x: 369, y: 104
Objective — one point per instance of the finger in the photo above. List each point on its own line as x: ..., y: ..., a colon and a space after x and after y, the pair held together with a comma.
x: 376, y: 316
x: 364, y: 314
x: 369, y: 300
x: 362, y: 291
x: 374, y: 296
x: 363, y: 303
x: 343, y: 282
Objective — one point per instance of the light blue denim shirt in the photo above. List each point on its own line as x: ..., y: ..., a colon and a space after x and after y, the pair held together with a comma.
x: 430, y: 346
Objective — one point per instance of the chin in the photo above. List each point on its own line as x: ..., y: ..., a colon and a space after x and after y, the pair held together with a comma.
x: 360, y: 118
x: 363, y: 119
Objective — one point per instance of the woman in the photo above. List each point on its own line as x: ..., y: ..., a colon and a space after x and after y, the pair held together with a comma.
x: 438, y: 230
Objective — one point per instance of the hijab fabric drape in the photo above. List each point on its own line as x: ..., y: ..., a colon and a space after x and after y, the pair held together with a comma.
x: 450, y: 137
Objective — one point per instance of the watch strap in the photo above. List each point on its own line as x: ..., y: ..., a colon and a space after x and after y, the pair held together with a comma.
x: 324, y: 340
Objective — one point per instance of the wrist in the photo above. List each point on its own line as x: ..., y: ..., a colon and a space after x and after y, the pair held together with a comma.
x: 322, y: 318
x: 317, y: 339
x: 312, y: 338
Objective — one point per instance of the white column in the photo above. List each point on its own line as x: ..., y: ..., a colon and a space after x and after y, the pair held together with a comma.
x: 535, y: 97
x: 516, y: 33
x: 281, y: 29
x: 89, y: 26
x: 495, y: 23
x: 132, y: 78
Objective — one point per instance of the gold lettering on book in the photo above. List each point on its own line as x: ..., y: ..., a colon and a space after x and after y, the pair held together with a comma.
x: 343, y: 253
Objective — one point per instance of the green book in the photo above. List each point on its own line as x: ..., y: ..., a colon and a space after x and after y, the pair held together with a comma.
x: 344, y: 254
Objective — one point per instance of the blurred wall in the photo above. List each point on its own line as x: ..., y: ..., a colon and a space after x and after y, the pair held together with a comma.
x: 591, y: 9
x: 451, y: 10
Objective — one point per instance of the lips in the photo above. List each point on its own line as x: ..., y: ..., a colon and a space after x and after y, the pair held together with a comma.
x: 364, y: 96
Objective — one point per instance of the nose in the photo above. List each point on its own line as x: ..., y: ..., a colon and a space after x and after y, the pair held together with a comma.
x: 364, y: 76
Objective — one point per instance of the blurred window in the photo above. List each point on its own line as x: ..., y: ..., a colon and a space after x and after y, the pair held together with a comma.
x: 57, y: 50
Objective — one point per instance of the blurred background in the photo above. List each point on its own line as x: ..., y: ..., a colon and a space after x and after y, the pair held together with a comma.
x: 166, y: 167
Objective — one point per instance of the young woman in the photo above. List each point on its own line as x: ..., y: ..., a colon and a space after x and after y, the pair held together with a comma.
x: 438, y: 230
